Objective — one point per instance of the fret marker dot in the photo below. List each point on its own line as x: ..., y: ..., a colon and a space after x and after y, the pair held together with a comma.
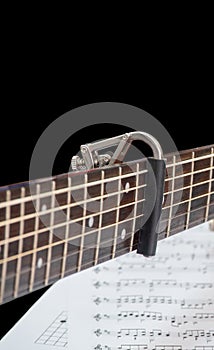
x: 91, y: 221
x: 39, y: 263
x: 44, y: 207
x: 127, y: 187
x: 123, y: 233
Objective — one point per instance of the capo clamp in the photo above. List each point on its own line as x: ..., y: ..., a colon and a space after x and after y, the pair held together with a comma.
x: 148, y: 235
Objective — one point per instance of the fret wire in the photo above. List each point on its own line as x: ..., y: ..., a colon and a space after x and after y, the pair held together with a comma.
x: 15, y: 238
x: 210, y: 185
x: 190, y: 173
x: 64, y: 207
x: 180, y: 228
x: 182, y: 202
x: 60, y: 225
x: 64, y: 190
x: 59, y: 191
x: 29, y: 216
x: 71, y: 221
x: 117, y: 214
x: 35, y: 241
x: 189, y: 200
x: 46, y: 194
x: 171, y: 199
x: 186, y: 212
x: 68, y: 240
x: 5, y: 255
x: 77, y: 236
x: 47, y: 274
x: 193, y: 185
x: 33, y: 215
x: 135, y: 208
x: 186, y: 161
x: 57, y: 243
x: 83, y: 223
x: 119, y: 251
x: 100, y: 220
x: 209, y: 192
x: 20, y: 247
x: 66, y: 232
x: 60, y: 258
x: 190, y: 191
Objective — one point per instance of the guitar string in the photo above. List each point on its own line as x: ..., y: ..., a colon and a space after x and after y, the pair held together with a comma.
x: 129, y: 175
x: 77, y: 220
x: 30, y: 199
x: 76, y: 253
x: 70, y: 205
x: 102, y: 256
x: 108, y: 195
x: 33, y: 215
x: 72, y: 188
x: 70, y: 271
x: 69, y: 240
x: 97, y: 182
x: 188, y: 160
x: 73, y: 238
x: 104, y: 244
x: 126, y: 250
x: 88, y: 264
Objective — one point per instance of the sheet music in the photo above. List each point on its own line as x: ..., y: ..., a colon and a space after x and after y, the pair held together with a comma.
x: 160, y: 303
x: 130, y: 303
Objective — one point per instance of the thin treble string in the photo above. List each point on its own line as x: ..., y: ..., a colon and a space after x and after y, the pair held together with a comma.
x: 94, y: 199
x: 195, y: 172
x: 189, y: 160
x: 73, y: 238
x: 61, y: 225
x: 75, y: 253
x: 71, y: 205
x: 81, y: 186
x: 69, y: 240
x: 64, y: 207
x: 73, y: 221
x: 189, y: 200
x: 33, y: 197
x: 24, y: 271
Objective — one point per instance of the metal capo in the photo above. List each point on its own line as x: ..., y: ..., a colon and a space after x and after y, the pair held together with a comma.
x: 91, y: 159
x: 148, y: 235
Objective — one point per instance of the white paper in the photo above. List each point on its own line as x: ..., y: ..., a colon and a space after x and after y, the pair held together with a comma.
x: 130, y: 303
x: 136, y: 303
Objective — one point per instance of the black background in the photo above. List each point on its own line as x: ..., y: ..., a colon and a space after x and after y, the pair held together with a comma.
x: 173, y: 88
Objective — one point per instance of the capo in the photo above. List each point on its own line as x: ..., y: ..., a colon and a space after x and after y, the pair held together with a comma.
x: 92, y: 159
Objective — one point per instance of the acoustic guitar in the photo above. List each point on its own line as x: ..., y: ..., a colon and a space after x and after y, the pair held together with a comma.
x: 53, y: 227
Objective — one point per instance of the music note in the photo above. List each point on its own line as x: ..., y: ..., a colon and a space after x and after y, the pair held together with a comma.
x: 161, y: 303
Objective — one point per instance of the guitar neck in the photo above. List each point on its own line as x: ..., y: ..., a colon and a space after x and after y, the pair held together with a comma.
x: 51, y: 228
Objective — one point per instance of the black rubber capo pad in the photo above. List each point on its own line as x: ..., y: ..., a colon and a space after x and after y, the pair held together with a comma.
x: 148, y: 234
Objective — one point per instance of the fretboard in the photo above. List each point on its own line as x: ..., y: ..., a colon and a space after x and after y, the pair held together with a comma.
x: 52, y: 228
